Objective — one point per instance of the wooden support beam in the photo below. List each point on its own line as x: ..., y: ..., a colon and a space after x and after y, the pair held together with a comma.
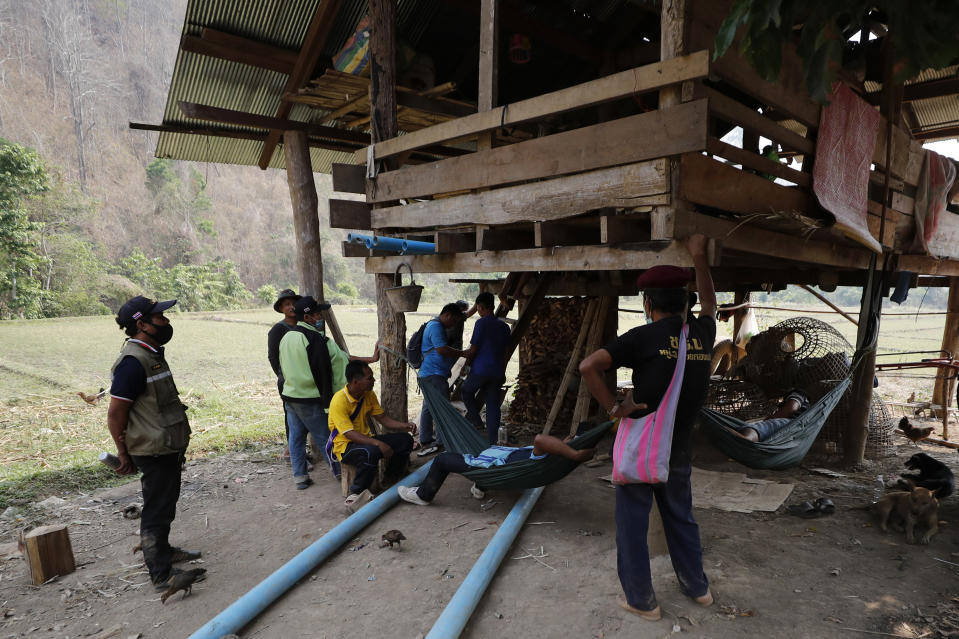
x: 928, y: 265
x: 383, y: 123
x: 674, y: 131
x: 349, y: 178
x: 345, y: 147
x: 574, y: 359
x: 352, y: 249
x: 748, y: 159
x: 613, y: 87
x: 704, y: 180
x: 822, y: 298
x: 583, y: 396
x: 234, y: 48
x: 488, y: 90
x: 242, y: 118
x: 742, y: 237
x: 530, y: 309
x: 672, y: 44
x: 349, y: 214
x: 568, y: 196
x: 306, y: 60
x: 737, y: 113
x: 392, y: 335
x: 507, y: 297
x: 560, y: 258
x: 942, y: 393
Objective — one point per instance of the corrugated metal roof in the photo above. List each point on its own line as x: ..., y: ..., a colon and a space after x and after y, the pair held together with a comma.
x: 231, y: 85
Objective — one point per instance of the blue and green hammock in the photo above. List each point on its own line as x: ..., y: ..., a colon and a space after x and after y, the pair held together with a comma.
x: 459, y: 436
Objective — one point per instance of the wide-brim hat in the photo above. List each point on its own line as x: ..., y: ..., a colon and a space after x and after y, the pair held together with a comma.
x: 285, y: 294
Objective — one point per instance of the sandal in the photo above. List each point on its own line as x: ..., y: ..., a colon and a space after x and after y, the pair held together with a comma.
x: 428, y: 449
x: 806, y: 510
x: 649, y: 615
x: 825, y: 506
x: 357, y: 500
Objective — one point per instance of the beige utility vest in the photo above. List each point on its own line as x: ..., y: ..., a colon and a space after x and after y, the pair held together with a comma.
x: 158, y: 423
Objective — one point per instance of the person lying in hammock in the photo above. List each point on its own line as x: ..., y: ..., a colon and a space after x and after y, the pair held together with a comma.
x: 794, y: 403
x: 446, y: 463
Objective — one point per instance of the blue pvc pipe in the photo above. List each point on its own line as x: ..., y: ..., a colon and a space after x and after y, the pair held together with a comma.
x: 397, y: 244
x: 246, y: 608
x: 412, y: 247
x: 457, y: 613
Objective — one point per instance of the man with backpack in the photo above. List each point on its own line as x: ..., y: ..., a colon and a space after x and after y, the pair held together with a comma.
x: 437, y: 362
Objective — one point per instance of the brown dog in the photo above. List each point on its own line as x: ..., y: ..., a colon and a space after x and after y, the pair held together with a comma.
x: 918, y: 506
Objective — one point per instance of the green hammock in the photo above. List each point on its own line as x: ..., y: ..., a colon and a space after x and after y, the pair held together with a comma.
x: 784, y: 449
x: 458, y: 436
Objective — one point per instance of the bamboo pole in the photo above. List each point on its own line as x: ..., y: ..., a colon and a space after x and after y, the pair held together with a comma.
x: 574, y: 359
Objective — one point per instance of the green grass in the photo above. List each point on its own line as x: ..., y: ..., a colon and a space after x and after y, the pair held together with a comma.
x: 49, y: 438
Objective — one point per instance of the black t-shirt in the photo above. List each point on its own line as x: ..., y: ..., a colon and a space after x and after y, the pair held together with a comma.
x: 651, y: 352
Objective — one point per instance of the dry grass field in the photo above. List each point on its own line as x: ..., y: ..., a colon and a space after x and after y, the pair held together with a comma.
x: 49, y: 438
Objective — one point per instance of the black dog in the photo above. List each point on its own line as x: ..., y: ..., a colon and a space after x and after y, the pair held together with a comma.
x: 933, y: 474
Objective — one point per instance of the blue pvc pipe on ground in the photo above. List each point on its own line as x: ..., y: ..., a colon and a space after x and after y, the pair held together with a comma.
x: 246, y: 608
x: 457, y: 613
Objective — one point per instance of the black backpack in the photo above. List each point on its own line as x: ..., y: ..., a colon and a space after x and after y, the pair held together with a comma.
x: 414, y: 348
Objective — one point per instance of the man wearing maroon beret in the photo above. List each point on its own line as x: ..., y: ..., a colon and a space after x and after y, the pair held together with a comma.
x: 651, y: 351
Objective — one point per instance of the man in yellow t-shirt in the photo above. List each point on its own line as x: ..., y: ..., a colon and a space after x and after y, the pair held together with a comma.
x: 352, y: 441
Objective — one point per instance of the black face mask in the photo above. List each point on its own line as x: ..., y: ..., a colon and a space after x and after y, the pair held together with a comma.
x: 163, y: 334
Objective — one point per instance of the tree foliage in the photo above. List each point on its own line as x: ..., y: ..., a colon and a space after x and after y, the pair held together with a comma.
x: 22, y: 177
x: 925, y: 34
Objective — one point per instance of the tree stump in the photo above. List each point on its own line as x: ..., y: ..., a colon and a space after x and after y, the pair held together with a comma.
x: 48, y: 553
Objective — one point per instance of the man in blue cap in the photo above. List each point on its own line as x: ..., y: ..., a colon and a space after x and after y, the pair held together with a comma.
x: 149, y: 425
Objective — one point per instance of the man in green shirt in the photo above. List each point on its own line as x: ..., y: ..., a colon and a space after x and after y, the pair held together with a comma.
x: 313, y: 369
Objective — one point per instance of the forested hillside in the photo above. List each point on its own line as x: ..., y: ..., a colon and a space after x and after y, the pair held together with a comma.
x: 87, y: 215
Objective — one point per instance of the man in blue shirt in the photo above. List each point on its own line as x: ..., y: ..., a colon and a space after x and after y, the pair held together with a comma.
x: 438, y: 360
x: 487, y: 350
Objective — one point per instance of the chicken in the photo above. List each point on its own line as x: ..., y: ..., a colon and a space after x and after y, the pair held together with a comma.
x: 182, y: 581
x: 912, y: 398
x: 393, y: 537
x: 92, y: 399
x: 914, y: 433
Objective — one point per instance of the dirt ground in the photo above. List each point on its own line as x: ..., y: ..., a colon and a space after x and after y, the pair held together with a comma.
x: 772, y: 574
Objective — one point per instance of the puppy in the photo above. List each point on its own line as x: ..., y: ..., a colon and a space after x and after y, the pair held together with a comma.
x: 933, y: 474
x: 918, y: 506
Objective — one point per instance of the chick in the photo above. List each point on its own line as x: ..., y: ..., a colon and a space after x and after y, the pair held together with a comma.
x: 92, y: 399
x: 182, y: 581
x: 393, y: 537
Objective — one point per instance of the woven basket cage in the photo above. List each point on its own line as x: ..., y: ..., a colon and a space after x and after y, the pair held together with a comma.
x: 803, y: 353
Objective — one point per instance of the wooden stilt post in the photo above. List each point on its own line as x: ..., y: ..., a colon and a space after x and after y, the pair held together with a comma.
x: 306, y: 222
x: 529, y: 310
x: 392, y: 325
x: 672, y: 45
x: 392, y: 335
x: 488, y: 64
x: 942, y: 393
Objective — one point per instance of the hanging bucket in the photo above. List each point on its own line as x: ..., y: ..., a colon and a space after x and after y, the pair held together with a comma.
x: 404, y: 299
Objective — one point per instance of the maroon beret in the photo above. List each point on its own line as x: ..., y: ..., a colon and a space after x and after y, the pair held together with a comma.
x: 664, y: 277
